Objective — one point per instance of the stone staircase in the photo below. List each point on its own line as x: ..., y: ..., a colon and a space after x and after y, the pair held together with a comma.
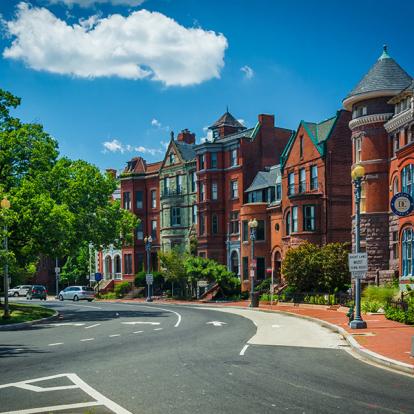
x: 210, y: 293
x: 104, y: 286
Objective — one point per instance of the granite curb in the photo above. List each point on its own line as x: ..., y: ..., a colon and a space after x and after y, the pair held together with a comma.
x: 23, y: 325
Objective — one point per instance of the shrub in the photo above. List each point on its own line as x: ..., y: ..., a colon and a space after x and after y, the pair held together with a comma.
x: 108, y: 295
x: 371, y: 306
x: 122, y: 288
x: 265, y: 297
x: 397, y: 314
x: 264, y: 286
x: 380, y: 294
x: 140, y: 280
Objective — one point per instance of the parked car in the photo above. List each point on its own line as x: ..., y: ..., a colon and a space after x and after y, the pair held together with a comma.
x: 37, y: 292
x: 20, y: 290
x: 77, y: 293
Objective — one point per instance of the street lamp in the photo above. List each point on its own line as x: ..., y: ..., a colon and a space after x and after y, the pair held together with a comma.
x: 253, y: 226
x: 148, y: 242
x: 5, y: 205
x: 357, y: 174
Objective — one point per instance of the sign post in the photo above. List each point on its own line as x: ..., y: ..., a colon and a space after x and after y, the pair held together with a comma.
x: 358, y: 265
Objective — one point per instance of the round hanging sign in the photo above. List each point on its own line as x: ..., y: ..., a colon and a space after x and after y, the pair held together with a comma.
x: 402, y: 204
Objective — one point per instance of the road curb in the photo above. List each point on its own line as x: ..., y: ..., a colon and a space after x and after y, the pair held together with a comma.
x: 16, y: 326
x: 359, y: 349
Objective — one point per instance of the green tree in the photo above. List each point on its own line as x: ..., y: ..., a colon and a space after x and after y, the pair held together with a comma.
x: 335, y: 271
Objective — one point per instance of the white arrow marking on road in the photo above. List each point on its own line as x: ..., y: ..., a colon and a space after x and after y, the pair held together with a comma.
x: 140, y: 323
x: 66, y: 324
x: 216, y: 323
x: 244, y: 349
x: 276, y: 326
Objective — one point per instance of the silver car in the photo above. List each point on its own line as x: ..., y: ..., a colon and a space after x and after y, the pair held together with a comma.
x: 76, y: 293
x: 20, y: 290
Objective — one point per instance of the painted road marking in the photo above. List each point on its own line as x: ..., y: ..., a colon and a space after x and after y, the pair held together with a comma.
x: 56, y: 344
x: 100, y: 400
x: 158, y: 329
x: 87, y: 339
x: 140, y: 323
x: 112, y: 336
x: 166, y: 310
x: 136, y: 332
x: 92, y: 326
x: 216, y: 323
x: 66, y: 324
x: 276, y: 326
x: 244, y: 349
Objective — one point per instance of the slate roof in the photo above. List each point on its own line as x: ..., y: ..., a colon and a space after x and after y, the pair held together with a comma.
x: 384, y: 75
x: 247, y: 133
x: 265, y: 179
x: 320, y: 131
x: 227, y: 119
x: 186, y: 150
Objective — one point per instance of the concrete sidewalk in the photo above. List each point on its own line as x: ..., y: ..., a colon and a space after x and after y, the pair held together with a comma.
x: 385, y: 342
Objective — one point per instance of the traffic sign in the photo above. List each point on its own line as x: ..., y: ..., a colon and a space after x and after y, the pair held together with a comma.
x: 358, y: 275
x: 253, y: 264
x: 252, y: 274
x: 402, y: 204
x: 150, y: 278
x: 358, y: 262
x: 57, y: 270
x: 98, y: 277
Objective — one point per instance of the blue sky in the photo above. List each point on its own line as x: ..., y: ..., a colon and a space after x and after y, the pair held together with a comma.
x: 126, y: 76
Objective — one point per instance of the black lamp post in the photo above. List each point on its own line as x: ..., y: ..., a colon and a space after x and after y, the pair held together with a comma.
x: 5, y: 205
x: 253, y: 227
x: 148, y: 242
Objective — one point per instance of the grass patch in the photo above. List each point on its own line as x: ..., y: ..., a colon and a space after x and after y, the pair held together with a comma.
x: 24, y: 313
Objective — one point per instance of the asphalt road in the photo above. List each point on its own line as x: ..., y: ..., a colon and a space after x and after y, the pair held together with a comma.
x: 152, y: 358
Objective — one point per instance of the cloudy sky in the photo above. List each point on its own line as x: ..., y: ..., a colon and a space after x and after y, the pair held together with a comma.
x: 111, y: 78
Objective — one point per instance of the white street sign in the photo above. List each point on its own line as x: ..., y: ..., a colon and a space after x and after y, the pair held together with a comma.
x: 358, y: 275
x: 251, y: 273
x: 149, y: 278
x: 202, y: 283
x: 57, y: 269
x: 358, y: 262
x: 216, y: 323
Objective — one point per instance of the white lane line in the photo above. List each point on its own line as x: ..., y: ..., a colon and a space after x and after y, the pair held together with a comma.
x: 165, y: 310
x: 66, y: 324
x: 244, y: 349
x: 113, y: 336
x: 158, y: 329
x: 54, y: 408
x: 56, y: 344
x: 140, y: 323
x: 276, y: 326
x: 87, y: 339
x: 136, y: 332
x: 92, y: 326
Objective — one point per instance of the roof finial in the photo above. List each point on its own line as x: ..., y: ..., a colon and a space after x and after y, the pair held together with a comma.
x: 227, y: 109
x: 385, y: 48
x: 385, y: 54
x: 172, y: 135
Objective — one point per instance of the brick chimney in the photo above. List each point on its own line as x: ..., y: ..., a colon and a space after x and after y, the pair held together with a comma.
x: 267, y: 120
x: 111, y: 172
x: 186, y: 136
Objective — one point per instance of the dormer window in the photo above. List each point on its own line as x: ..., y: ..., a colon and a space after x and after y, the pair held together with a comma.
x: 172, y: 158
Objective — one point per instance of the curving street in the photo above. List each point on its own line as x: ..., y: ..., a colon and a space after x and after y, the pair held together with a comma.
x: 118, y: 357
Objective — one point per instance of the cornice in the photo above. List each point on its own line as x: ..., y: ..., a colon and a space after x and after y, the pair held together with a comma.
x: 399, y: 120
x: 369, y: 119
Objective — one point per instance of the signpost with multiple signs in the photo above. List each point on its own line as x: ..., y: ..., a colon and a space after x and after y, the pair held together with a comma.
x: 149, y: 278
x: 358, y: 264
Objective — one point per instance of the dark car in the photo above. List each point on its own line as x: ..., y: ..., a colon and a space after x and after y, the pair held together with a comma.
x: 37, y: 292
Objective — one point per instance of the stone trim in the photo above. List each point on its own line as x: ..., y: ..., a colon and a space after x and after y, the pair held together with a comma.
x: 399, y: 120
x: 369, y: 119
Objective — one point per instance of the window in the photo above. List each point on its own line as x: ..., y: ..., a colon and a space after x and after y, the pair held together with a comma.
x: 359, y: 111
x: 233, y: 157
x: 291, y: 183
x: 154, y: 198
x: 214, y: 224
x: 245, y: 231
x: 154, y: 229
x: 128, y: 264
x: 309, y: 218
x: 395, y: 245
x: 127, y: 200
x: 201, y: 192
x: 172, y: 158
x: 193, y: 181
x: 175, y: 216
x: 213, y: 160
x: 179, y: 183
x: 214, y: 191
x: 287, y: 224
x: 138, y: 199
x: 407, y: 179
x: 407, y: 252
x: 139, y: 262
x: 201, y: 228
x: 201, y: 161
x: 396, y: 143
x: 260, y: 271
x: 363, y: 204
x: 234, y: 222
x: 245, y: 261
x: 395, y: 186
x: 234, y: 189
x: 260, y: 230
x: 302, y: 180
x: 301, y: 146
x: 357, y: 144
x: 140, y: 231
x: 294, y: 219
x: 314, y: 177
x: 278, y: 192
x: 194, y: 213
x: 166, y: 185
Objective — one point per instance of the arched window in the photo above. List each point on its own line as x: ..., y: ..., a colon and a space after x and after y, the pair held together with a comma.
x: 407, y: 179
x: 395, y: 186
x: 287, y: 224
x: 117, y: 264
x: 407, y: 252
x: 234, y: 262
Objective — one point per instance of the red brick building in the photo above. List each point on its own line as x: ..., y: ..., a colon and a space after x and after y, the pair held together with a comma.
x: 226, y: 166
x: 382, y: 127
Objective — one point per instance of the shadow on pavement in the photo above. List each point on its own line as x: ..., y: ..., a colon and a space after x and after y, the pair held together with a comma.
x: 17, y: 350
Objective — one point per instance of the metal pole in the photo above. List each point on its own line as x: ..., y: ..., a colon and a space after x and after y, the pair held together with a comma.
x: 252, y: 238
x: 149, y: 285
x: 90, y: 263
x: 357, y: 323
x: 57, y: 277
x: 6, y: 314
x: 271, y: 287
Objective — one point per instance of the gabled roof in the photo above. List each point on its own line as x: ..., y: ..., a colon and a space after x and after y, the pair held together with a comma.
x: 319, y: 133
x: 264, y: 179
x: 138, y: 165
x: 227, y: 119
x: 187, y: 151
x: 385, y: 75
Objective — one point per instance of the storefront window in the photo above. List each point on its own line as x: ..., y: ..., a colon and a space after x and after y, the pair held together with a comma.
x: 407, y: 252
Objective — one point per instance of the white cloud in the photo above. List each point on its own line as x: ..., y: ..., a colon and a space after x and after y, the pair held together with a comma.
x: 142, y: 45
x: 156, y: 123
x: 248, y: 72
x: 88, y: 3
x: 117, y: 146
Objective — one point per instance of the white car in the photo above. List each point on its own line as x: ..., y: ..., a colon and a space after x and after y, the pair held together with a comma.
x: 20, y: 290
x: 77, y: 293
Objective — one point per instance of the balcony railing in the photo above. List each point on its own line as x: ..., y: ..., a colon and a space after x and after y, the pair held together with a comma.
x: 171, y: 192
x: 303, y: 188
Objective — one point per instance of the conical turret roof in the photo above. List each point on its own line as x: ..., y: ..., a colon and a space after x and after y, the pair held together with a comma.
x: 386, y: 75
x: 227, y: 119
